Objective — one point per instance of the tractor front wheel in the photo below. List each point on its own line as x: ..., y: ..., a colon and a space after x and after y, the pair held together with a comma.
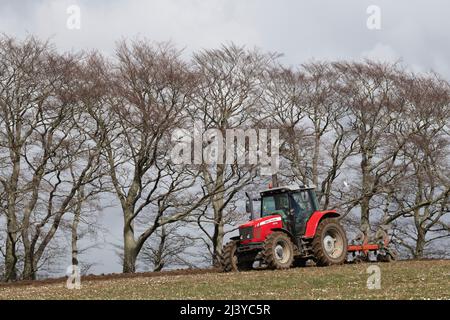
x: 231, y: 262
x: 278, y: 251
x: 330, y: 243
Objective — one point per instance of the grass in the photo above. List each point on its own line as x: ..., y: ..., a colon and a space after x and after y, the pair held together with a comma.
x: 399, y: 280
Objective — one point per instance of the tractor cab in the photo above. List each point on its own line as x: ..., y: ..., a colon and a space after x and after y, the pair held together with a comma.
x: 294, y: 204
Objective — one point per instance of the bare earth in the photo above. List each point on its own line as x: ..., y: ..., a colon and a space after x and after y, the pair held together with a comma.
x: 399, y: 280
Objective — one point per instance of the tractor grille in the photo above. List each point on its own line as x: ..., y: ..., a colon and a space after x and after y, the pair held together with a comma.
x: 246, y: 233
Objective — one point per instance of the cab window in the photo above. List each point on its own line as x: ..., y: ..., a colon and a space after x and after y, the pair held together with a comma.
x: 275, y: 204
x: 301, y: 205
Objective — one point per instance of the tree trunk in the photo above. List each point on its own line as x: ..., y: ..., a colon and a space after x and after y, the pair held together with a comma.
x: 30, y: 261
x: 10, y: 258
x: 158, y: 267
x: 129, y: 256
x: 366, y: 193
x: 130, y: 245
x: 218, y: 202
x: 315, y: 164
x: 159, y: 257
x: 420, y: 245
x: 218, y: 237
x: 75, y: 223
x: 11, y: 224
x: 29, y: 270
x: 365, y: 221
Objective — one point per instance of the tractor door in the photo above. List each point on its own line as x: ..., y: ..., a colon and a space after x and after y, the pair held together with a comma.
x: 303, y: 208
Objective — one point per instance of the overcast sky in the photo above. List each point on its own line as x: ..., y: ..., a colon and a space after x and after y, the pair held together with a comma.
x: 417, y: 32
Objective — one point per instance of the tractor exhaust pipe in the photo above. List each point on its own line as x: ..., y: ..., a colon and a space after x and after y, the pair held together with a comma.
x: 249, y: 206
x: 275, y: 181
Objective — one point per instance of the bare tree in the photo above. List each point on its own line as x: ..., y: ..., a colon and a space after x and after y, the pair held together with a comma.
x: 84, y: 221
x: 423, y: 194
x: 47, y: 158
x: 91, y: 93
x: 150, y: 87
x: 306, y: 106
x: 168, y: 248
x: 376, y: 108
x: 284, y: 108
x: 30, y: 118
x: 227, y: 94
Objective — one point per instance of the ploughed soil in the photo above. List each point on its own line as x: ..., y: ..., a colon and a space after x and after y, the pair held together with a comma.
x: 427, y: 279
x: 110, y: 276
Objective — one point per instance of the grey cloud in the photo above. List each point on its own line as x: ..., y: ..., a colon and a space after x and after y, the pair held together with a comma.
x: 416, y: 31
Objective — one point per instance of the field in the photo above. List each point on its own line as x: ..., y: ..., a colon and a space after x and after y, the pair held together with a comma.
x: 399, y: 280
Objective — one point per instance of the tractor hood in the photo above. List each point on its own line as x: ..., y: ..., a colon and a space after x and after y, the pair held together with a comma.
x: 275, y: 219
x: 256, y: 231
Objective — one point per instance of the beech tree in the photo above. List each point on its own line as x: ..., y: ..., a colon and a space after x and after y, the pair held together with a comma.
x: 31, y: 133
x: 47, y: 157
x: 168, y: 247
x: 422, y: 195
x: 227, y: 94
x: 375, y: 110
x: 306, y: 106
x: 150, y: 86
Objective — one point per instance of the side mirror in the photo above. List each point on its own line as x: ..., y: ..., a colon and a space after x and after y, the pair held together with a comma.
x: 248, y: 208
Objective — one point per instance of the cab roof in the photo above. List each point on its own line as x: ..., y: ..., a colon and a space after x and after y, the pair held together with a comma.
x: 287, y: 189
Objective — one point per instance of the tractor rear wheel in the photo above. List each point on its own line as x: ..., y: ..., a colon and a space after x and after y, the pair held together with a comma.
x: 232, y: 262
x: 330, y: 243
x: 278, y: 251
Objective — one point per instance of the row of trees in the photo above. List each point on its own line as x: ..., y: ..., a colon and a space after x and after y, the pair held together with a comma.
x: 78, y: 128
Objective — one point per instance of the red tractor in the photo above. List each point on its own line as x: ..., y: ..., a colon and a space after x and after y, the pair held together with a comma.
x: 290, y: 231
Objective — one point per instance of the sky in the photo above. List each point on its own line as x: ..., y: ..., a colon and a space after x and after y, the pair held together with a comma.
x: 415, y: 32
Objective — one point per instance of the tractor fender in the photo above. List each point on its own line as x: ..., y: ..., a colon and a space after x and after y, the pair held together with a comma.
x: 291, y: 236
x: 315, y: 219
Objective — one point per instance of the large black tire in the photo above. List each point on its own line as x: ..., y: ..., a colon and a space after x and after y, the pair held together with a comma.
x: 278, y: 251
x: 229, y: 258
x: 231, y: 262
x: 330, y: 243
